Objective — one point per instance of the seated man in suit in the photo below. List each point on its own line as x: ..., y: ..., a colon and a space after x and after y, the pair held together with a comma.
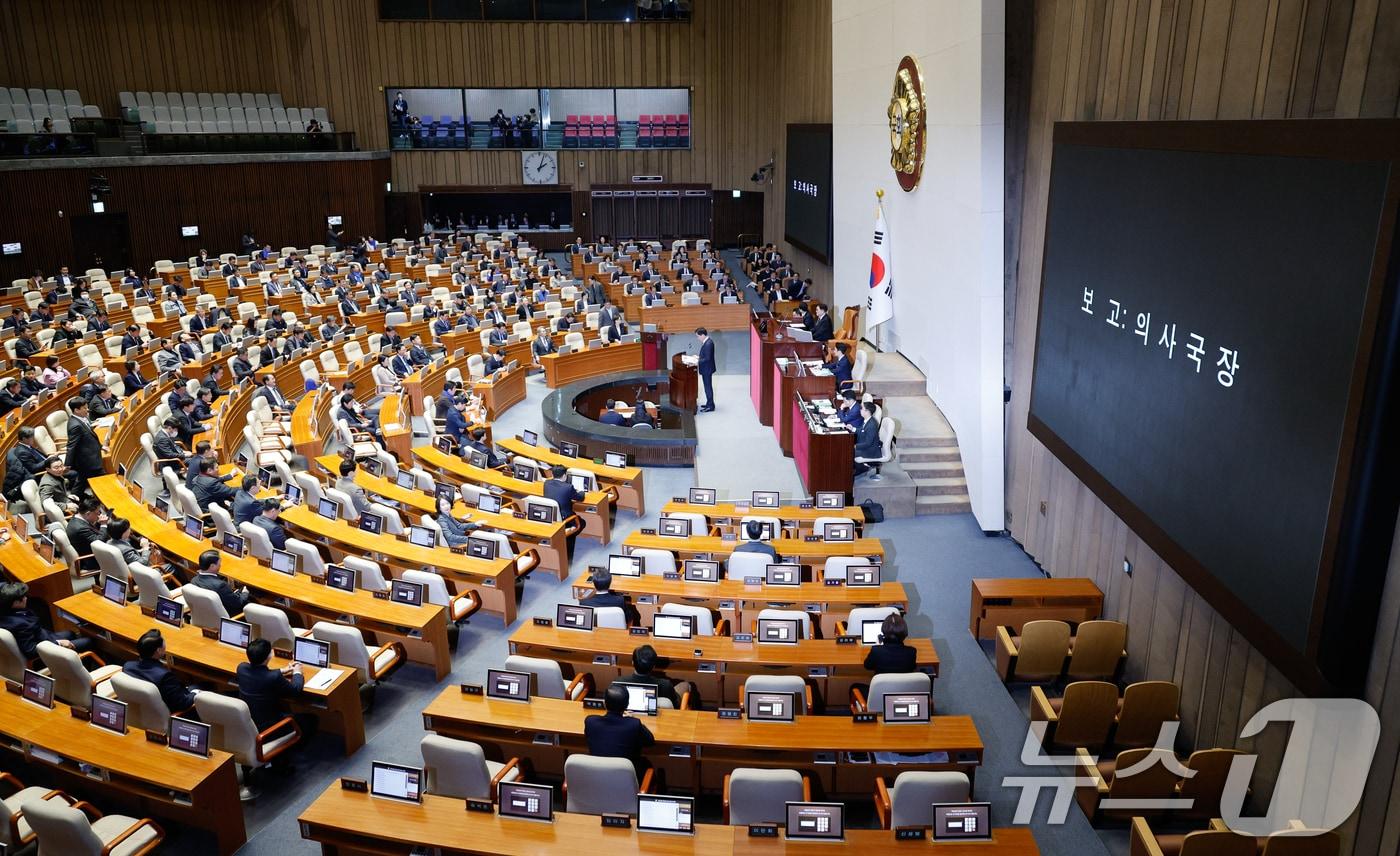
x: 753, y: 530
x: 495, y: 361
x: 82, y: 529
x: 214, y: 382
x: 268, y: 390
x: 246, y: 506
x: 23, y: 461
x: 499, y: 334
x: 167, y: 358
x: 616, y: 735
x: 346, y: 484
x: 478, y: 442
x: 611, y: 416
x: 267, y: 522
x: 543, y: 344
x: 868, y: 443
x: 892, y: 656
x: 456, y: 426
x: 643, y: 664
x: 849, y: 409
x: 263, y: 689
x: 416, y: 352
x: 821, y: 325
x: 150, y: 666
x: 209, y: 488
x: 104, y: 403
x: 24, y: 625
x: 840, y: 367
x: 11, y: 397
x: 210, y: 562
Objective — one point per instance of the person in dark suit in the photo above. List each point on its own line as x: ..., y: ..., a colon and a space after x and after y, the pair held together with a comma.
x: 133, y: 380
x: 210, y: 562
x: 26, y: 346
x: 849, y: 409
x: 441, y: 326
x: 643, y: 664
x: 495, y: 361
x: 706, y: 367
x: 208, y: 488
x: 245, y: 505
x: 416, y: 352
x: 150, y: 666
x: 22, y: 462
x: 616, y: 735
x: 563, y: 492
x: 132, y: 339
x: 11, y: 397
x: 402, y: 364
x: 168, y: 451
x: 268, y: 390
x: 611, y: 416
x: 840, y: 367
x: 267, y: 522
x: 498, y: 335
x: 892, y: 656
x: 455, y: 532
x: 84, y: 453
x: 263, y: 689
x: 189, y: 350
x: 478, y: 442
x: 104, y: 403
x: 82, y: 529
x: 753, y: 529
x: 821, y: 325
x: 24, y: 625
x: 187, y: 427
x: 867, y: 436
x: 543, y: 344
x: 456, y: 427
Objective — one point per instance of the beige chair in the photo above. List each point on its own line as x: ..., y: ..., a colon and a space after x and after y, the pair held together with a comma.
x: 460, y: 607
x: 1082, y: 717
x: 761, y: 795
x: 1142, y: 710
x: 656, y: 562
x: 81, y: 830
x: 549, y: 678
x: 348, y: 648
x: 1038, y: 654
x: 702, y: 617
x: 890, y: 684
x: 12, y: 662
x: 1097, y: 651
x: 1204, y: 842
x: 272, y: 624
x: 151, y: 584
x: 459, y: 769
x: 206, y: 610
x: 794, y: 684
x: 594, y: 785
x: 74, y: 684
x: 910, y: 801
x: 145, y: 708
x: 232, y: 730
x: 15, y: 831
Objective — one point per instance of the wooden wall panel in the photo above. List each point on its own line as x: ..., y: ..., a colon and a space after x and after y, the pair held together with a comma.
x: 285, y: 203
x: 1187, y: 59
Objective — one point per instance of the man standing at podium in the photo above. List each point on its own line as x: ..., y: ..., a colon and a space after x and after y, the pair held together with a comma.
x: 706, y: 365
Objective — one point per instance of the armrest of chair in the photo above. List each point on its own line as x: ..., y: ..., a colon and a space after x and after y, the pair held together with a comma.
x: 857, y: 700
x: 1088, y: 796
x: 725, y: 797
x: 88, y: 809
x: 1006, y: 654
x: 92, y: 656
x: 584, y: 680
x: 272, y: 729
x: 572, y: 524
x: 722, y: 628
x: 647, y: 785
x: 1218, y: 825
x: 82, y: 574
x: 840, y: 628
x: 513, y: 765
x: 1141, y: 841
x: 10, y: 780
x: 882, y: 802
x: 471, y: 597
x: 715, y: 531
x: 1041, y: 711
x: 131, y: 830
x: 399, y: 653
x: 526, y: 561
x: 806, y: 788
x: 612, y: 493
x: 685, y: 701
x: 808, y: 690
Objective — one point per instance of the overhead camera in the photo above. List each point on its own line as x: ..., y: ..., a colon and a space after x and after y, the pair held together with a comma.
x: 763, y: 173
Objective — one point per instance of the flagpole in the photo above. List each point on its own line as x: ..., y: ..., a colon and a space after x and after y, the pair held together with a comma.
x: 879, y: 206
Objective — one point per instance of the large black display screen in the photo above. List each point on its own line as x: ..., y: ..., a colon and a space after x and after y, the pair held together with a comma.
x: 1200, y: 322
x: 808, y: 191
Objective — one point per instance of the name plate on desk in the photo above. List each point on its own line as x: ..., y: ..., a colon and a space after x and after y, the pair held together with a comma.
x: 805, y: 505
x: 755, y: 582
x: 865, y: 716
x: 209, y: 634
x: 763, y: 830
x: 743, y: 638
x: 80, y: 713
x: 544, y: 622
x: 670, y: 575
x: 14, y: 687
x: 911, y: 833
x: 483, y: 806
x: 832, y: 581
x: 380, y: 595
x: 731, y: 713
x: 812, y: 539
x: 617, y: 821
x: 728, y: 536
x: 593, y: 704
x: 847, y: 640
x: 359, y: 786
x: 648, y: 531
x: 156, y: 737
x: 518, y: 515
x: 638, y: 631
x: 471, y: 689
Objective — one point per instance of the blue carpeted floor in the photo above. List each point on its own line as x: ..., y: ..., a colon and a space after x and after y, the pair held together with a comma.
x: 935, y: 557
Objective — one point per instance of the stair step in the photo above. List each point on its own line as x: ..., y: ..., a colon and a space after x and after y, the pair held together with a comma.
x: 894, y: 388
x: 926, y: 454
x: 953, y: 485
x: 943, y: 504
x: 934, y: 469
x: 907, y: 442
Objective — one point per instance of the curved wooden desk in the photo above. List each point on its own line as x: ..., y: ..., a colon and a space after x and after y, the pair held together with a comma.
x: 627, y: 480
x: 720, y: 667
x: 686, y: 318
x: 810, y: 552
x: 117, y: 629
x: 567, y: 368
x: 728, y: 513
x: 714, y: 746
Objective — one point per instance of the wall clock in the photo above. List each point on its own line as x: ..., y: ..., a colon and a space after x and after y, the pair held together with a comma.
x: 539, y: 167
x: 906, y: 118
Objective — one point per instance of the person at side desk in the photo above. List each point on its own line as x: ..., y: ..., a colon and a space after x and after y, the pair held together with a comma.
x: 208, y: 488
x: 456, y: 423
x: 454, y: 531
x: 868, y: 443
x: 616, y: 735
x: 267, y: 522
x: 753, y: 530
x: 245, y: 505
x: 643, y: 672
x: 543, y: 344
x: 24, y: 625
x: 133, y: 381
x: 150, y: 666
x: 612, y: 416
x: 821, y: 325
x: 134, y: 549
x: 892, y: 656
x: 11, y: 398
x: 840, y: 367
x: 263, y: 689
x: 478, y: 442
x: 210, y: 563
x: 849, y: 409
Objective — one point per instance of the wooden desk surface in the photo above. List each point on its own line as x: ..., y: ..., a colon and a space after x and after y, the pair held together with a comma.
x: 20, y: 561
x: 1037, y: 587
x: 718, y: 649
x: 462, y: 469
x: 950, y: 734
x: 887, y: 593
x: 566, y: 368
x: 718, y: 546
x: 545, y: 455
x: 785, y: 512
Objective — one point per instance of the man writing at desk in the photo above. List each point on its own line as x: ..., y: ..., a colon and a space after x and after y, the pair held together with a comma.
x: 616, y: 735
x: 643, y: 666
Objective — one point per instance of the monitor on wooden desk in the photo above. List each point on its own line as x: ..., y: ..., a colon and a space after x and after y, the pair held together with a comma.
x: 816, y: 821
x: 529, y: 802
x: 673, y: 626
x: 37, y: 689
x: 311, y: 652
x: 108, y: 713
x: 657, y: 813
x: 422, y: 536
x: 830, y: 499
x: 674, y: 527
x: 235, y: 633
x: 284, y: 562
x: 572, y: 617
x: 511, y: 686
x: 701, y: 571
x: 489, y: 503
x: 770, y: 707
x: 568, y: 450
x: 702, y: 496
x: 396, y: 782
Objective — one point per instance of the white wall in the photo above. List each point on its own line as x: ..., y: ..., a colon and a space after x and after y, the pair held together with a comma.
x: 632, y: 103
x: 482, y: 104
x: 947, y: 234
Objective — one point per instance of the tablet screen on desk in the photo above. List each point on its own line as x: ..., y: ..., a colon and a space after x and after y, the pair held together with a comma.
x: 530, y: 437
x: 782, y: 575
x: 871, y: 631
x: 626, y: 566
x: 373, y: 466
x: 665, y: 814
x: 293, y: 493
x: 284, y: 562
x: 962, y: 821
x: 235, y: 633
x: 782, y: 630
x: 702, y: 496
x: 341, y: 578
x: 582, y: 483
x: 765, y: 499
x: 770, y: 707
x: 477, y: 458
x: 674, y: 527
x: 615, y: 459
x: 531, y: 802
x: 862, y: 575
x: 539, y: 513
x: 524, y: 472
x: 673, y: 626
x: 108, y: 713
x: 311, y: 652
x: 371, y: 523
x: 641, y: 698
x: 405, y: 480
x: 443, y: 492
x: 514, y: 686
x: 839, y: 532
x: 232, y: 544
x: 568, y: 450
x: 489, y: 503
x: 114, y: 589
x: 194, y: 527
x: 819, y: 821
x: 170, y: 611
x: 396, y: 782
x: 162, y: 508
x: 573, y: 617
x: 481, y: 548
x: 189, y: 736
x: 830, y: 499
x: 444, y: 444
x: 701, y: 571
x: 37, y: 688
x: 407, y: 593
x: 422, y: 536
x: 328, y: 508
x: 907, y: 707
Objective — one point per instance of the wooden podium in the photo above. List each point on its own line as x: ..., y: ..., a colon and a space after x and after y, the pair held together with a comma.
x: 685, y: 382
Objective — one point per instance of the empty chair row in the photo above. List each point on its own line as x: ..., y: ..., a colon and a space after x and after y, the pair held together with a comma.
x: 34, y: 95
x: 36, y: 126
x: 232, y: 114
x: 39, y: 112
x: 199, y: 99
x: 198, y: 127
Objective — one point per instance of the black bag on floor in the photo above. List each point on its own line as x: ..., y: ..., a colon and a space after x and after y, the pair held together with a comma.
x: 874, y: 511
